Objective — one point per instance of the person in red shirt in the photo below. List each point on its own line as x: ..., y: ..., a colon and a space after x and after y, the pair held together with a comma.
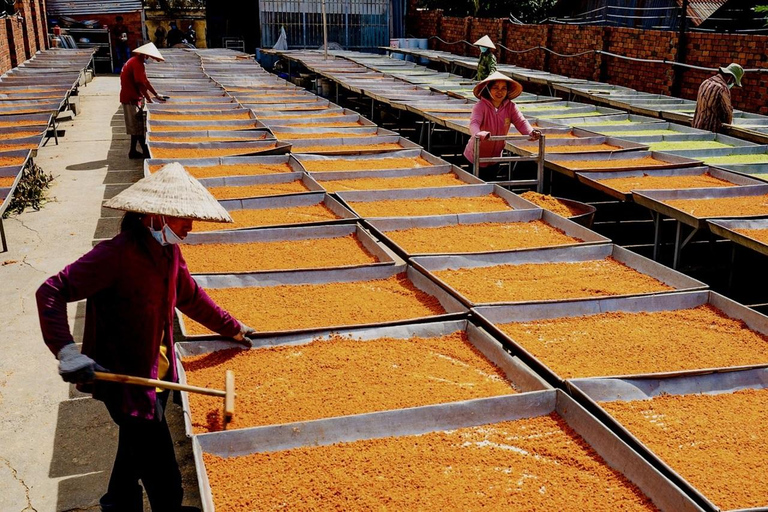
x: 134, y: 90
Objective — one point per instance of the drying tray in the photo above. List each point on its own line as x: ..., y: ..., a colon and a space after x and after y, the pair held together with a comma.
x: 384, y: 225
x: 421, y: 420
x: 231, y: 124
x: 353, y: 117
x: 259, y: 147
x: 239, y: 135
x: 453, y: 307
x: 592, y: 179
x: 229, y: 160
x: 670, y: 162
x: 516, y: 372
x: 307, y: 199
x: 404, y: 143
x: 591, y: 391
x: 678, y: 281
x: 377, y: 249
x: 727, y: 229
x: 654, y: 200
x: 622, y: 145
x: 406, y: 153
x: 515, y: 202
x: 371, y: 131
x: 265, y: 179
x: 464, y: 176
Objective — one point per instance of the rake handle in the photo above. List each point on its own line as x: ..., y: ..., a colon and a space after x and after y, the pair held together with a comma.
x: 155, y: 383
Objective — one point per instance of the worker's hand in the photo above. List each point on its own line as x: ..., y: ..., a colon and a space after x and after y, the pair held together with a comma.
x: 148, y: 100
x: 535, y: 135
x: 243, y: 337
x: 75, y: 367
x: 162, y: 97
x: 483, y: 135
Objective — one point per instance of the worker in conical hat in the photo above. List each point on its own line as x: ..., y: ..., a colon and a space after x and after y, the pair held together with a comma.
x: 492, y: 116
x: 133, y: 283
x: 487, y: 63
x: 135, y: 88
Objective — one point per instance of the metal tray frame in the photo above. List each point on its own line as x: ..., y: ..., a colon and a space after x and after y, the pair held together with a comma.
x: 263, y: 179
x: 453, y: 308
x: 592, y: 391
x: 513, y: 200
x: 615, y: 452
x: 306, y: 199
x: 678, y: 281
x: 235, y: 136
x: 592, y: 179
x: 673, y: 161
x: 353, y: 141
x: 377, y: 249
x: 382, y: 226
x: 727, y: 229
x: 250, y: 148
x: 229, y: 160
x: 522, y: 378
x: 654, y: 200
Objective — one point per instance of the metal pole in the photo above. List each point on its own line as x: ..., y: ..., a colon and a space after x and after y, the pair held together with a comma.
x: 476, y: 159
x: 325, y: 33
x: 540, y: 165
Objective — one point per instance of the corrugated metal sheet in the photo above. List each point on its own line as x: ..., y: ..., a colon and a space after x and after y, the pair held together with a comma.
x: 351, y: 23
x: 700, y: 10
x: 77, y: 7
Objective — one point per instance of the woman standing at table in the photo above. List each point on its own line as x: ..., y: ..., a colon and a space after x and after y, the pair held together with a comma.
x: 492, y: 116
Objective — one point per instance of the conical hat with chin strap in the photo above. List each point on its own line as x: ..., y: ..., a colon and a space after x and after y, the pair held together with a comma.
x: 173, y: 192
x: 150, y: 50
x: 485, y: 41
x: 514, y: 87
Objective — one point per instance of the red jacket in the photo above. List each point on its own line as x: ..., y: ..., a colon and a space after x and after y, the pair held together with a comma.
x: 132, y: 284
x: 485, y: 118
x: 134, y: 83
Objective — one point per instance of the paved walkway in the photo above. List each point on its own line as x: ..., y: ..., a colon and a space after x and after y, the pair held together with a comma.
x: 57, y: 445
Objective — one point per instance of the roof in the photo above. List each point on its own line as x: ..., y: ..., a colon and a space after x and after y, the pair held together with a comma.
x: 700, y: 10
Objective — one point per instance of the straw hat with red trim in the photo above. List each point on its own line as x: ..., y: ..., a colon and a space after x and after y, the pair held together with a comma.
x: 150, y: 50
x: 486, y: 42
x: 171, y: 191
x: 515, y: 89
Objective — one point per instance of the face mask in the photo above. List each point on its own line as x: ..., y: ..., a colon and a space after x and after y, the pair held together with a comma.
x: 483, y: 49
x: 165, y: 235
x: 730, y: 85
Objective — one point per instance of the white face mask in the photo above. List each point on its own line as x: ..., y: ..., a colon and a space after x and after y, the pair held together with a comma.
x: 165, y: 235
x: 483, y: 49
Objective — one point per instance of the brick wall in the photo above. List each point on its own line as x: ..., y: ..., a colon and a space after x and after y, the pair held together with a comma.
x: 642, y: 44
x: 574, y: 39
x: 5, y: 54
x: 702, y: 49
x: 15, y: 29
x: 453, y: 29
x: 522, y: 37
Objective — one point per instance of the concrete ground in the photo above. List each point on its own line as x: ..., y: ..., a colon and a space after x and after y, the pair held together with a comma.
x: 57, y: 445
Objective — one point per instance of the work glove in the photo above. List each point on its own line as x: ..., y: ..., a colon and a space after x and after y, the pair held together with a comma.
x: 483, y: 135
x: 75, y: 367
x: 243, y: 337
x: 162, y: 97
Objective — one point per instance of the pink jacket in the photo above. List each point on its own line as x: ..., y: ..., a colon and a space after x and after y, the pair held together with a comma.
x: 485, y: 118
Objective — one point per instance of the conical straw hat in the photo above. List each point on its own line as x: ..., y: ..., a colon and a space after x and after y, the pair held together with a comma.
x: 170, y: 191
x: 515, y: 89
x: 150, y: 50
x: 485, y: 41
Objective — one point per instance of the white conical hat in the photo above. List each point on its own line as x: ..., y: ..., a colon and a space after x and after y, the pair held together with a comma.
x: 514, y: 87
x: 150, y: 50
x: 170, y: 191
x: 485, y: 41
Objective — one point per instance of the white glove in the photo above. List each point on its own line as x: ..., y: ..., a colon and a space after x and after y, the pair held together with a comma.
x: 76, y: 367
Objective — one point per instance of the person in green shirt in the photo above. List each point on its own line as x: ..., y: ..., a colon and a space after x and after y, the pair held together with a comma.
x: 487, y: 63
